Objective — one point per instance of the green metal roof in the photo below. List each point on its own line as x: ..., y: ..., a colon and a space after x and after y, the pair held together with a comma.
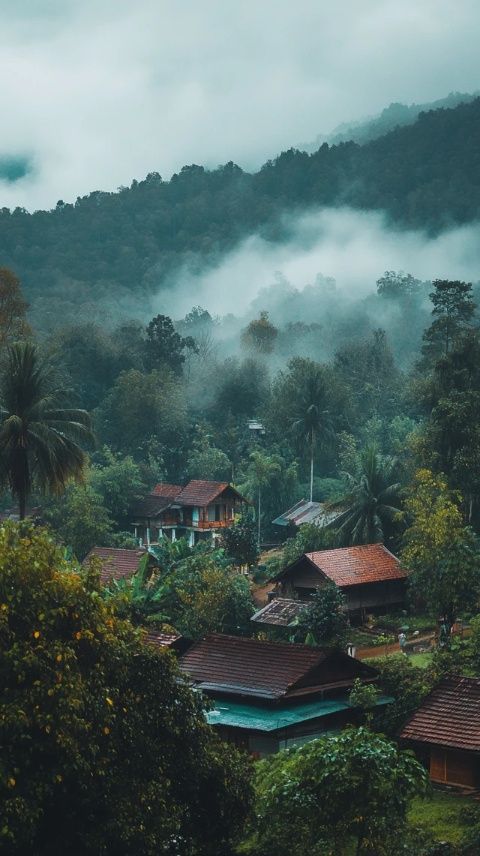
x: 256, y: 718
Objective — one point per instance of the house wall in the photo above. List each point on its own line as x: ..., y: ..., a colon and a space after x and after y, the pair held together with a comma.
x: 452, y: 767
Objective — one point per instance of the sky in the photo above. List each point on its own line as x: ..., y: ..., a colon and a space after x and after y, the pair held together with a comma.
x: 98, y: 92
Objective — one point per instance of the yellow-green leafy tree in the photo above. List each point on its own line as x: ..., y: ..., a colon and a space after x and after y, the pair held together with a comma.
x: 440, y: 552
x: 102, y: 748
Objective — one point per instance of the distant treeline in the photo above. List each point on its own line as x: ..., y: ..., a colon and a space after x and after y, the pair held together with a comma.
x: 108, y: 245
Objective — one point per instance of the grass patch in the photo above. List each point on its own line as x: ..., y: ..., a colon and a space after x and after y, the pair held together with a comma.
x: 421, y: 660
x: 440, y: 815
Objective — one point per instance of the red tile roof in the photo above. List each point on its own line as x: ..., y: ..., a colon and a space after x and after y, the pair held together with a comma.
x: 351, y: 566
x: 240, y: 666
x: 200, y: 492
x: 160, y: 639
x: 116, y: 563
x: 449, y: 716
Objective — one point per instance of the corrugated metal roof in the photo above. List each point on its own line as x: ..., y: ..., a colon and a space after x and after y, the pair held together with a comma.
x: 116, y: 563
x: 256, y: 718
x: 305, y: 511
x: 237, y: 665
x: 280, y: 612
x: 449, y: 716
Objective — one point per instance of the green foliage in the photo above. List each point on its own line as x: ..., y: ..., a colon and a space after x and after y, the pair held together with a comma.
x: 365, y: 697
x: 325, y: 618
x: 407, y: 684
x: 309, y: 537
x: 13, y: 309
x: 453, y: 310
x: 333, y: 794
x: 370, y: 508
x: 104, y: 749
x: 439, y: 550
x: 239, y: 541
x: 260, y: 335
x: 194, y: 590
x: 80, y: 520
x: 207, y: 462
x: 164, y: 347
x: 39, y: 437
x: 119, y: 482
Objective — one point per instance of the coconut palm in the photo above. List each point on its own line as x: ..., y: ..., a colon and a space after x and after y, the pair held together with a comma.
x: 261, y: 470
x: 310, y: 419
x: 371, y: 502
x: 39, y: 437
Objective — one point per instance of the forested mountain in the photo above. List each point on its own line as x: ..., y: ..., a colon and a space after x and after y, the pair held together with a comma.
x: 393, y: 116
x: 425, y: 175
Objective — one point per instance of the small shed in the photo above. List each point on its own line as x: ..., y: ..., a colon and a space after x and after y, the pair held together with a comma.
x: 445, y: 732
x: 280, y: 612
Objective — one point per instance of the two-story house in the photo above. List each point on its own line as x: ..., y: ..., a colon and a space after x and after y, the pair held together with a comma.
x: 200, y: 509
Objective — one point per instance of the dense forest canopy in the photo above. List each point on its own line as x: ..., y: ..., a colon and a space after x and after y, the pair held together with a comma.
x: 111, y: 246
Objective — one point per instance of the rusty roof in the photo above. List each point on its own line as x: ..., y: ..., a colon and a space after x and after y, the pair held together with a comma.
x: 449, y: 716
x: 352, y: 566
x: 237, y: 665
x: 280, y: 612
x: 160, y: 639
x: 117, y: 563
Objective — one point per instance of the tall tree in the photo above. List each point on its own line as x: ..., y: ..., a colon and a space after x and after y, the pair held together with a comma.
x: 13, y: 309
x: 310, y: 418
x: 164, y: 346
x: 440, y: 552
x: 261, y: 469
x: 39, y: 437
x: 371, y: 503
x: 260, y: 335
x: 453, y: 310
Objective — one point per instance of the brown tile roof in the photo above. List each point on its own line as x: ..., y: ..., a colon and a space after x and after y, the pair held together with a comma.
x: 280, y: 612
x: 116, y: 563
x: 150, y: 506
x: 449, y: 716
x: 236, y: 665
x: 351, y: 566
x: 200, y: 492
x: 160, y: 639
x: 168, y: 491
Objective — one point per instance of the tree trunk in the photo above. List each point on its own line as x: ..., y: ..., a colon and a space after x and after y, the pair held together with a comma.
x: 22, y: 504
x: 311, y: 466
x: 259, y: 514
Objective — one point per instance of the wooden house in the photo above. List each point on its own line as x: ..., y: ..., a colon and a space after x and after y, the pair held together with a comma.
x: 445, y: 732
x: 266, y: 696
x: 200, y: 509
x: 370, y: 577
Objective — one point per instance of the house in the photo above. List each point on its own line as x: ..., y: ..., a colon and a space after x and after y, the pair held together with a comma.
x: 370, y: 577
x: 445, y: 732
x: 199, y: 510
x: 268, y: 695
x: 305, y: 511
x: 117, y: 563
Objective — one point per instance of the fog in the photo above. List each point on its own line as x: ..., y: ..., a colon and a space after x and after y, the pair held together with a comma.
x: 98, y: 92
x: 334, y: 249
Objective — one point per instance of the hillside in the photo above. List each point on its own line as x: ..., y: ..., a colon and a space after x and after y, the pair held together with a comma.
x: 391, y: 117
x: 426, y: 175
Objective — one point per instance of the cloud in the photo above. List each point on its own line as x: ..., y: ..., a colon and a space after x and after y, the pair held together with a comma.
x: 352, y: 247
x: 97, y: 92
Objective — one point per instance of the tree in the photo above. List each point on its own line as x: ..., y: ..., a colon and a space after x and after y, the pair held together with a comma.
x: 240, y: 541
x: 80, y: 519
x: 39, y: 437
x: 260, y: 335
x: 104, y: 748
x: 119, y: 482
x: 440, y: 552
x: 261, y: 469
x: 453, y: 310
x: 371, y: 505
x: 398, y: 285
x: 335, y: 796
x: 13, y: 309
x: 325, y: 618
x: 194, y: 591
x: 207, y: 462
x: 310, y: 418
x: 164, y: 346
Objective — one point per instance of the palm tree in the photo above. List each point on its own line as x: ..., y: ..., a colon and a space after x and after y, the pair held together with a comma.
x: 39, y: 438
x: 310, y: 420
x: 261, y: 470
x: 372, y: 501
